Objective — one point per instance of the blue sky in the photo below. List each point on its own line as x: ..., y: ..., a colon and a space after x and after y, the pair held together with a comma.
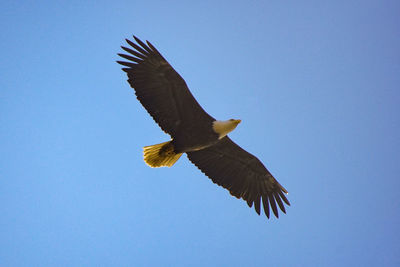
x: 316, y: 84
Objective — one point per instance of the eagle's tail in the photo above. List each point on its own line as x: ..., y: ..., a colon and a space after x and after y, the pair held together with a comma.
x: 160, y: 155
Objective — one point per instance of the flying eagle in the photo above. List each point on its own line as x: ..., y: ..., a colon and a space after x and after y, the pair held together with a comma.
x: 166, y: 97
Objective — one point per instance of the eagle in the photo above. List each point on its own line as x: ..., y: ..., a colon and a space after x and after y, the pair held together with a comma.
x: 168, y: 100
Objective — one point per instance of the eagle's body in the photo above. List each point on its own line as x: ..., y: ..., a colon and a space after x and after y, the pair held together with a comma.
x: 166, y: 97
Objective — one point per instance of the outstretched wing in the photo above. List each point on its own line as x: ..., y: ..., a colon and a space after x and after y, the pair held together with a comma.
x: 160, y: 89
x: 233, y: 168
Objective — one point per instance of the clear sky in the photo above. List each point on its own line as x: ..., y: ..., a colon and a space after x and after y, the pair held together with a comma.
x: 316, y: 84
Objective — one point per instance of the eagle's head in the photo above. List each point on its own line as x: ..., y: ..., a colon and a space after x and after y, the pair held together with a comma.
x: 222, y: 128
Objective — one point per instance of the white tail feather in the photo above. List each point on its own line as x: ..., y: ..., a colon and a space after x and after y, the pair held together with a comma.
x: 160, y: 155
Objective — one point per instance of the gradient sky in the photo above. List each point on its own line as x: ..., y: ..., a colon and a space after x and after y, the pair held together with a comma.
x: 316, y: 84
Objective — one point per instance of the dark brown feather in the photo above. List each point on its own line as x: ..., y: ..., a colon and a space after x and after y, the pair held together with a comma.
x: 266, y: 205
x: 161, y: 90
x: 247, y: 177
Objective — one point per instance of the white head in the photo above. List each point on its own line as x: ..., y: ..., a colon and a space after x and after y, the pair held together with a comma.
x: 222, y: 128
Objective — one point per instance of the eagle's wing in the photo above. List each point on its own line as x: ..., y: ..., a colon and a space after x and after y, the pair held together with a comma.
x: 233, y: 168
x: 160, y: 89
